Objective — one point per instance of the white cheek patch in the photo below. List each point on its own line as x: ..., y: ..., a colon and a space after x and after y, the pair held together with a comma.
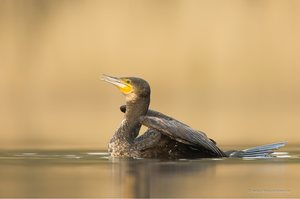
x: 131, y: 97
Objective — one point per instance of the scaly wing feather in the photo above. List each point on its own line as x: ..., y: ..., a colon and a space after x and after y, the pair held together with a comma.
x: 180, y: 132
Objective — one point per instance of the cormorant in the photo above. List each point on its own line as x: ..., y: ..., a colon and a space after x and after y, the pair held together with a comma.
x: 166, y: 138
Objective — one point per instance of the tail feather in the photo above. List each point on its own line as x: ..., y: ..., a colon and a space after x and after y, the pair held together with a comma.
x: 259, y: 151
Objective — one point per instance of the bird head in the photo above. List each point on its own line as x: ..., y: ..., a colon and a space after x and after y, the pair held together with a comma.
x: 132, y: 87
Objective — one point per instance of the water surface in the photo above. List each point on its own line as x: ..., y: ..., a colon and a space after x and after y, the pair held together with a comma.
x: 94, y: 174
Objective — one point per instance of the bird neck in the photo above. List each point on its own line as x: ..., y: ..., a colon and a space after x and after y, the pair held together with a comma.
x: 136, y: 108
x: 130, y: 126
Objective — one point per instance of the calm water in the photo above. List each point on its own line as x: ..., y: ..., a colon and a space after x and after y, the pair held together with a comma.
x: 95, y: 174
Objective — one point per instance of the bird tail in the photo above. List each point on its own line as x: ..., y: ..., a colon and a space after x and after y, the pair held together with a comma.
x: 257, y: 152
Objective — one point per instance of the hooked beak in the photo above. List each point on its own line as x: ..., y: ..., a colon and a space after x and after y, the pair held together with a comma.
x: 118, y: 82
x: 113, y: 80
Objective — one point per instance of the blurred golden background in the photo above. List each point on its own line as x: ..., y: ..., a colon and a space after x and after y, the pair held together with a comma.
x: 229, y: 68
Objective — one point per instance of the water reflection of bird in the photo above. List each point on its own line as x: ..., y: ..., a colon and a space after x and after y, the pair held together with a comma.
x: 166, y: 137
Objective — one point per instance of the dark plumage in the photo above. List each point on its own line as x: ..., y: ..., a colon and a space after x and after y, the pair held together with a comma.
x: 166, y: 137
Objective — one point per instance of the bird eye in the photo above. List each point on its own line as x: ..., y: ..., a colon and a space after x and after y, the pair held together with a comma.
x: 127, y: 81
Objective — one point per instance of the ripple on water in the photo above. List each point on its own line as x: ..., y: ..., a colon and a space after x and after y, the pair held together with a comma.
x: 96, y: 155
